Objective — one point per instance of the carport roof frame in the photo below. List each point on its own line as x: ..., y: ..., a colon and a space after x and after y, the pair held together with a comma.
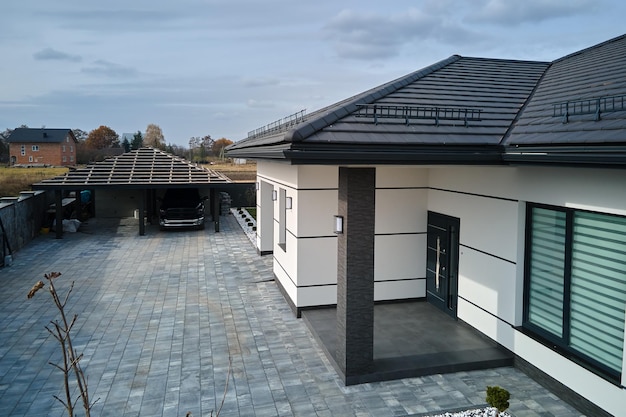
x: 142, y: 168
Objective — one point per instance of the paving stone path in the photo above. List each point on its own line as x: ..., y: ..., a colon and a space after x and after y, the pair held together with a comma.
x: 161, y: 316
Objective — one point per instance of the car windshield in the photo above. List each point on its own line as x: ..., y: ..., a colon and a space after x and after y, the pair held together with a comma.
x: 181, y: 196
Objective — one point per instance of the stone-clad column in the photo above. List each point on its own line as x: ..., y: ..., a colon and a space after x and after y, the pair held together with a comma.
x: 355, y: 271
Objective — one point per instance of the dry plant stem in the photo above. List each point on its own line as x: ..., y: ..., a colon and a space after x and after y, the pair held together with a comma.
x: 230, y: 367
x: 58, y: 335
x: 70, y: 355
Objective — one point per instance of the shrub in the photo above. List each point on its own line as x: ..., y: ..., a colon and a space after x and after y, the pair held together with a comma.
x: 498, y: 398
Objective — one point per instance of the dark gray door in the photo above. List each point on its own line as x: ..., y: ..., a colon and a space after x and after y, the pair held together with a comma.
x: 442, y: 262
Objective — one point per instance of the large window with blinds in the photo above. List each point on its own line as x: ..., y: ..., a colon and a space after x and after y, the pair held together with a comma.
x: 575, y: 284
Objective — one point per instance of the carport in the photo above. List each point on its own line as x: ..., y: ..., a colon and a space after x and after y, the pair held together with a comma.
x: 143, y: 171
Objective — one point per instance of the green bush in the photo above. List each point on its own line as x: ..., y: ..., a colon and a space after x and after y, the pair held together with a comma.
x: 498, y: 398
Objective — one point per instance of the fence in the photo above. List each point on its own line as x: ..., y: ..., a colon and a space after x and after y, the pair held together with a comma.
x: 21, y: 218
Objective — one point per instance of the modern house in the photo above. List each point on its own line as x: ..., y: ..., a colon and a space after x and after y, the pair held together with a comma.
x: 42, y: 147
x: 493, y: 189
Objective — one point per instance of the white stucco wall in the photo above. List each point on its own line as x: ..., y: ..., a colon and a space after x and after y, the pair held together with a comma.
x: 490, y: 203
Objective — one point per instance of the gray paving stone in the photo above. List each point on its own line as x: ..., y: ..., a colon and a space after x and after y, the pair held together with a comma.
x: 161, y: 316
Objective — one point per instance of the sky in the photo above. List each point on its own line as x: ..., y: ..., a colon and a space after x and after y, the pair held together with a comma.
x: 226, y: 67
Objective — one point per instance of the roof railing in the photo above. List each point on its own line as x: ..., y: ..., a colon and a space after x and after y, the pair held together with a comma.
x: 595, y: 106
x: 409, y: 113
x: 279, y: 125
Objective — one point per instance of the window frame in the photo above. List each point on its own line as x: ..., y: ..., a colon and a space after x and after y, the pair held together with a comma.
x: 35, y: 148
x: 561, y: 344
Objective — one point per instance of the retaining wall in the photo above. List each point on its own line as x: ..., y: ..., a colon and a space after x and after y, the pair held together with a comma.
x: 22, y: 218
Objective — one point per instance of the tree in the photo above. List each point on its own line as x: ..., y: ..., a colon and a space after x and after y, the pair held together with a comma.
x: 219, y: 145
x: 126, y: 145
x: 4, y: 145
x: 103, y: 137
x: 154, y: 137
x: 80, y: 135
x: 137, y: 141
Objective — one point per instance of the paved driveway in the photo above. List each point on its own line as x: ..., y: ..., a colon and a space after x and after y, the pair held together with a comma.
x: 159, y: 317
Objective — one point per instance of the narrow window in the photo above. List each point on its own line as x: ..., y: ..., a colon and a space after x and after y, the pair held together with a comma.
x: 282, y: 219
x: 64, y: 158
x: 63, y: 148
x: 547, y: 265
x: 23, y: 150
x: 598, y: 287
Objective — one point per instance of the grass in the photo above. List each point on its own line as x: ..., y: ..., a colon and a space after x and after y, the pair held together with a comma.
x: 252, y: 211
x: 236, y: 172
x: 13, y: 180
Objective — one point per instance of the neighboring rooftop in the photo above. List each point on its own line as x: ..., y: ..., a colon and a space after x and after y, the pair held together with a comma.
x: 145, y: 167
x: 40, y: 135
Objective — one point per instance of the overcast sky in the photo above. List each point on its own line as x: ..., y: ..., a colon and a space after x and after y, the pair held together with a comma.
x: 225, y: 67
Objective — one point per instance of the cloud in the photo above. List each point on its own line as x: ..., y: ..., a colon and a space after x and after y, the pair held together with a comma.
x: 109, y: 69
x: 260, y: 103
x: 120, y: 20
x: 506, y: 12
x: 367, y: 36
x: 49, y: 54
x: 260, y: 82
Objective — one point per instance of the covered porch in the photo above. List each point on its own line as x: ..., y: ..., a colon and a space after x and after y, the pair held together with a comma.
x: 412, y: 338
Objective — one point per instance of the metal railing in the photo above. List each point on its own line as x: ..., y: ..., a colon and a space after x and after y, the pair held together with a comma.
x: 279, y: 125
x: 409, y: 113
x: 595, y: 106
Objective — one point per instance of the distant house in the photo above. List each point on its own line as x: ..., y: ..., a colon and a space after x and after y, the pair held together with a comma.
x: 42, y: 147
x: 492, y: 189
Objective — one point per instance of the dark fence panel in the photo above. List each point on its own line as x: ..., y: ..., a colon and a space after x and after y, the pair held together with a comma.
x: 22, y: 218
x: 242, y: 194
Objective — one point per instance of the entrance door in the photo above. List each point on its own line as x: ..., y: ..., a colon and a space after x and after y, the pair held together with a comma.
x: 442, y: 262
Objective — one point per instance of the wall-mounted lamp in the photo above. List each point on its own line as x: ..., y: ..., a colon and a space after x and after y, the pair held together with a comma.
x: 338, y: 225
x: 258, y: 186
x: 274, y: 195
x: 288, y: 203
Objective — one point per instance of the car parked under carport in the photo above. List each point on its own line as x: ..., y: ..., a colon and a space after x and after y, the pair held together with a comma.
x: 130, y: 183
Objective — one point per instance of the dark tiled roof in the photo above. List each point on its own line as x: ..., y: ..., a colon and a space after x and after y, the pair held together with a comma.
x: 576, y: 82
x: 471, y: 110
x: 145, y: 167
x: 494, y: 89
x: 41, y: 135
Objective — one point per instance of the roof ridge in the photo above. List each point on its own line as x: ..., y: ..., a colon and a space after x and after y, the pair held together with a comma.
x: 326, y: 119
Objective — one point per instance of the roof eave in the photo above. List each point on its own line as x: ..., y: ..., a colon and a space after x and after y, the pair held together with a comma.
x: 606, y: 156
x: 400, y: 155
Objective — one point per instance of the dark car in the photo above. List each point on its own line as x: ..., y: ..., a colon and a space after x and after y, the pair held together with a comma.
x: 182, y: 207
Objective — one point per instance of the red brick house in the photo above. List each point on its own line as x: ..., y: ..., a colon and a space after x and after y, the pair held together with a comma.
x: 42, y: 147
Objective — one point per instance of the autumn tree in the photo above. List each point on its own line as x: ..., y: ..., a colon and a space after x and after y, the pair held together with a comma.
x: 103, y: 137
x: 154, y: 137
x: 219, y: 145
x: 137, y: 141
